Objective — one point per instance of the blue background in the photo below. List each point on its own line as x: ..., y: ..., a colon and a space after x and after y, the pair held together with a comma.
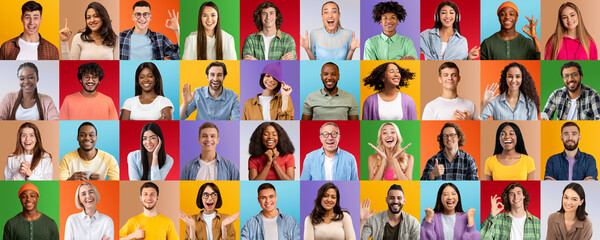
x: 288, y: 199
x: 491, y: 25
x: 108, y: 136
x: 469, y: 196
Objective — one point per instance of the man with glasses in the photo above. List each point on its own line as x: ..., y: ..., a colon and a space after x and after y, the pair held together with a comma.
x: 89, y: 104
x: 574, y: 101
x: 329, y: 162
x: 450, y: 163
x: 139, y: 43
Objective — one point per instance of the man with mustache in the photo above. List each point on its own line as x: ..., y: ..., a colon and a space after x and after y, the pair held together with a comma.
x: 571, y: 164
x: 390, y: 224
x: 330, y: 102
x: 30, y: 223
x: 574, y: 101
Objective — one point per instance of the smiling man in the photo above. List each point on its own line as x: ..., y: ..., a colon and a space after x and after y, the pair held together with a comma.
x: 270, y: 223
x: 390, y: 224
x: 389, y: 45
x: 330, y: 102
x: 30, y: 223
x: 269, y: 43
x: 571, y: 164
x: 450, y: 106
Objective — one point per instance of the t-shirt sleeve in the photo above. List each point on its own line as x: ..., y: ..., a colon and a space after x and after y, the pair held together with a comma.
x: 306, y: 108
x: 253, y: 163
x: 353, y: 107
x: 113, y: 168
x: 530, y: 164
x: 112, y: 111
x: 172, y: 233
x: 128, y: 104
x: 489, y: 166
x: 127, y: 228
x: 291, y: 161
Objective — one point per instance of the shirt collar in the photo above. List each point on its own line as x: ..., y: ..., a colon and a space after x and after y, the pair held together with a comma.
x: 206, y: 94
x: 278, y: 34
x: 325, y: 93
x: 527, y: 214
x: 85, y: 216
x: 199, y: 216
x: 521, y: 97
x: 386, y: 38
x: 436, y: 31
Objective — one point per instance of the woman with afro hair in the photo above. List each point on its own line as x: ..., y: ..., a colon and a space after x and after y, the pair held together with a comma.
x: 389, y: 103
x: 271, y: 153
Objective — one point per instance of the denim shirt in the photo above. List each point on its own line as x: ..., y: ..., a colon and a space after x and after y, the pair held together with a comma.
x: 431, y: 46
x: 344, y: 166
x: 287, y: 227
x: 226, y: 169
x: 557, y: 166
x: 500, y: 109
x: 224, y: 106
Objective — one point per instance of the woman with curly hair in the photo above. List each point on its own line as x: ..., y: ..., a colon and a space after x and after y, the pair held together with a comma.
x: 518, y: 100
x: 510, y: 160
x: 390, y: 161
x: 327, y: 220
x: 447, y: 220
x: 209, y: 41
x: 151, y: 162
x: 571, y: 40
x: 271, y: 153
x: 29, y: 161
x: 389, y: 45
x: 149, y: 102
x: 386, y: 104
x: 97, y: 41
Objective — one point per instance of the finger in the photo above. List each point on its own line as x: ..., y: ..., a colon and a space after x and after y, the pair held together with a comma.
x: 373, y: 146
x: 66, y: 23
x: 306, y: 34
x: 436, y: 162
x: 169, y: 11
x: 405, y: 147
x: 353, y: 36
x: 139, y: 226
x: 177, y: 14
x: 535, y: 23
x: 528, y: 19
x: 373, y: 212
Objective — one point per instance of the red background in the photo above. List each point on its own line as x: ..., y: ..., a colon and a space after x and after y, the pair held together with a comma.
x: 109, y: 86
x: 491, y: 188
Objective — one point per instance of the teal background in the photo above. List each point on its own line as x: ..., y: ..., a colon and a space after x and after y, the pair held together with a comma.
x: 491, y: 25
x: 108, y: 137
x: 469, y: 197
x: 288, y: 199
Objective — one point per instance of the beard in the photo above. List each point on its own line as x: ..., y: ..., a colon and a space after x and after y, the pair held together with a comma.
x: 571, y: 147
x: 576, y: 88
x: 332, y: 88
x: 395, y: 212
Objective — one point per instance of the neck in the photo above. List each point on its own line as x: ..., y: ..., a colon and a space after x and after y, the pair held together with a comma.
x: 450, y: 153
x: 394, y: 217
x: 31, y: 215
x: 511, y: 152
x: 87, y: 155
x: 517, y: 212
x: 266, y: 93
x: 332, y: 31
x: 449, y: 93
x: 28, y: 95
x: 90, y: 212
x: 390, y: 33
x: 269, y: 31
x: 270, y: 214
x: 507, y: 33
x: 570, y: 216
x: 151, y: 212
x: 28, y: 152
x: 209, y: 32
x: 208, y: 156
x: 513, y: 94
x: 148, y: 94
x: 330, y: 154
x: 389, y: 91
x: 32, y: 38
x: 571, y: 33
x: 89, y: 94
x: 332, y: 92
x: 208, y: 212
x: 447, y: 31
x: 575, y: 94
x: 571, y: 154
x: 96, y: 36
x: 136, y: 30
x: 215, y: 93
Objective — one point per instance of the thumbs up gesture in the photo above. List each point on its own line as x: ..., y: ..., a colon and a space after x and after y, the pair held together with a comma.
x: 65, y: 33
x: 139, y: 233
x: 438, y: 170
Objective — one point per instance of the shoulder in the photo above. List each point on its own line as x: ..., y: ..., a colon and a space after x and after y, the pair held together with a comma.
x: 493, y: 159
x: 226, y: 35
x: 526, y: 157
x: 73, y: 96
x: 426, y: 32
x: 70, y: 156
x: 105, y: 156
x: 44, y: 97
x: 371, y: 98
x: 11, y: 96
x: 193, y: 35
x: 314, y: 154
x: 134, y: 154
x: 410, y: 218
x: 77, y: 37
x: 44, y: 217
x: 554, y: 216
x: 346, y: 215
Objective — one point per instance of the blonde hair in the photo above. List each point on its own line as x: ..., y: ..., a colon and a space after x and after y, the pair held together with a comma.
x: 339, y: 25
x: 78, y: 202
x: 582, y: 34
x: 402, y: 160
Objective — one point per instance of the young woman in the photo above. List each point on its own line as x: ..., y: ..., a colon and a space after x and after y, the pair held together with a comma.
x: 510, y: 160
x: 27, y: 103
x: 271, y: 153
x: 209, y: 42
x: 80, y: 225
x: 331, y: 42
x: 270, y: 105
x: 150, y: 162
x: 200, y: 226
x: 518, y: 98
x: 443, y: 41
x: 447, y: 219
x: 149, y: 102
x: 327, y: 220
x: 571, y: 221
x: 571, y: 40
x: 29, y: 161
x: 389, y: 103
x: 97, y: 41
x: 390, y: 161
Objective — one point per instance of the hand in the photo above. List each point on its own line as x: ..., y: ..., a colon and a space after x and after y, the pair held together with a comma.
x: 230, y: 219
x: 489, y: 94
x: 304, y: 41
x: 139, y: 233
x: 189, y: 221
x: 429, y: 214
x: 529, y: 29
x: 471, y: 213
x: 65, y: 33
x: 287, y: 56
x: 355, y: 42
x: 397, y: 154
x: 105, y: 237
x: 406, y: 57
x: 173, y: 21
x: 275, y: 154
x: 269, y: 155
x: 461, y: 115
x: 249, y: 57
x: 467, y: 115
x: 79, y: 176
x: 474, y: 53
x: 95, y: 177
x: 25, y: 169
x: 496, y: 206
x: 589, y: 178
x: 548, y: 178
x: 381, y: 154
x: 187, y: 94
x: 438, y: 169
x: 364, y: 211
x: 157, y: 148
x: 286, y: 90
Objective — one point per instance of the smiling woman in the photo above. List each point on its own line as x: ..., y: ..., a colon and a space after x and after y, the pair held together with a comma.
x: 390, y: 162
x: 510, y: 160
x: 270, y: 105
x: 149, y: 102
x: 271, y: 153
x: 29, y: 161
x: 90, y: 221
x: 447, y: 219
x: 327, y: 219
x: 151, y: 162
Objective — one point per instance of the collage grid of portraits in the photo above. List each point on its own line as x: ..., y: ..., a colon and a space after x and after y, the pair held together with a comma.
x: 478, y: 73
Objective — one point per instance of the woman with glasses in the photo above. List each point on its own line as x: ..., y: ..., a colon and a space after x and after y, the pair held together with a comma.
x: 390, y: 161
x: 271, y: 153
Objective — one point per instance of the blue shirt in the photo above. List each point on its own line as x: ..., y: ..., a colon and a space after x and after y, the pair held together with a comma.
x: 327, y: 46
x: 225, y: 106
x: 226, y: 169
x: 136, y: 170
x: 344, y: 166
x: 557, y: 166
x: 141, y: 47
x: 500, y: 109
x: 162, y: 47
x: 431, y: 46
x: 287, y: 227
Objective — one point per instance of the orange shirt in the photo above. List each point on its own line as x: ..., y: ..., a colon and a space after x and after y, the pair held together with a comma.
x: 78, y: 107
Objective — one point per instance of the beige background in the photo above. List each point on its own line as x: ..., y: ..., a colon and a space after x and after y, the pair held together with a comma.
x: 49, y: 135
x: 130, y: 205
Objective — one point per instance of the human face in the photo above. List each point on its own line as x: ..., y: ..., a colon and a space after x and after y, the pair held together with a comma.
x: 209, y: 200
x: 330, y: 143
x: 395, y: 201
x: 29, y: 200
x: 330, y: 77
x: 270, y: 137
x: 570, y: 137
x: 87, y: 196
x: 571, y: 200
x: 268, y: 17
x: 329, y: 200
x: 269, y: 82
x: 267, y: 199
x: 331, y: 17
x: 569, y: 18
x: 515, y: 198
x: 450, y: 138
x: 449, y: 78
x: 392, y: 76
x: 31, y: 22
x: 508, y: 138
x: 28, y: 80
x: 514, y: 78
x: 215, y: 78
x: 389, y: 136
x: 28, y: 140
x: 447, y: 16
x: 149, y: 198
x: 209, y: 138
x: 449, y: 199
x: 141, y: 16
x: 209, y: 18
x: 90, y: 82
x: 572, y: 79
x: 508, y: 18
x: 389, y: 21
x: 146, y: 80
x: 92, y: 19
x: 87, y: 138
x: 150, y: 140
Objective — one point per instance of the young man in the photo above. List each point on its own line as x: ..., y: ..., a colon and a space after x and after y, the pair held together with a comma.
x: 143, y: 44
x: 149, y: 224
x: 87, y: 162
x: 269, y: 43
x: 451, y: 162
x: 516, y: 222
x: 210, y: 165
x: 29, y: 45
x: 270, y: 223
x: 389, y: 45
x: 450, y: 106
x: 574, y: 101
x: 390, y: 224
x: 329, y: 163
x: 330, y: 102
x: 508, y: 44
x: 89, y: 104
x: 571, y: 164
x: 213, y: 102
x: 30, y: 223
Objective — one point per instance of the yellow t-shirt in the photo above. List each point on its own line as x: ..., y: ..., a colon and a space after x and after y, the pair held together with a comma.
x: 103, y: 164
x: 517, y: 171
x: 159, y: 227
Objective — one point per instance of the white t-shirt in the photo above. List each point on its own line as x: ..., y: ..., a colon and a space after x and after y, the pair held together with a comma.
x: 208, y: 218
x: 208, y: 170
x: 152, y: 111
x: 27, y: 114
x: 328, y: 168
x: 444, y: 46
x: 270, y: 226
x: 390, y: 110
x: 442, y: 108
x: 28, y: 50
x: 572, y: 115
x: 268, y: 41
x: 191, y: 47
x: 448, y: 222
x: 517, y: 228
x: 265, y: 103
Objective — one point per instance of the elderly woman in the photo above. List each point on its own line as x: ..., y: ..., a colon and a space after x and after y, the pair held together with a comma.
x: 88, y: 224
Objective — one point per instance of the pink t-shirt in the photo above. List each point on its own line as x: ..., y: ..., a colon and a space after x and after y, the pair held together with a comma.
x: 284, y: 162
x: 78, y: 107
x: 571, y: 49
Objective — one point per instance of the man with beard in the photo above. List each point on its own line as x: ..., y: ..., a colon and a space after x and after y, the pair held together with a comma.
x: 574, y: 101
x: 330, y: 102
x: 89, y: 104
x: 149, y: 224
x: 390, y: 224
x: 87, y: 162
x: 30, y: 223
x: 449, y: 106
x: 213, y: 102
x: 571, y: 164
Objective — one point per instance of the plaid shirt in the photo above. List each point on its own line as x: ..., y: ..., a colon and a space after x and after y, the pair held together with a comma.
x: 10, y: 49
x: 498, y: 227
x: 463, y: 167
x: 162, y: 47
x: 282, y: 43
x: 588, y: 104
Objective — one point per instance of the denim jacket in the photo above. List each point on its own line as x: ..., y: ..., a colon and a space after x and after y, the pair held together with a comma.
x: 431, y: 46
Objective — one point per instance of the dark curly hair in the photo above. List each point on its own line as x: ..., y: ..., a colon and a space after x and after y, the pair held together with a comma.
x: 106, y: 31
x: 375, y: 79
x: 505, y: 199
x: 520, y: 147
x: 258, y: 13
x: 438, y: 21
x: 316, y: 216
x: 284, y: 144
x: 459, y: 133
x: 158, y: 86
x: 90, y: 68
x: 527, y: 85
x: 439, y: 207
x: 387, y: 7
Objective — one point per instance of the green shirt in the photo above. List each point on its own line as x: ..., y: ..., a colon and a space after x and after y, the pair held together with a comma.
x: 519, y: 48
x: 498, y: 227
x: 17, y: 228
x: 382, y: 47
x: 322, y: 106
x: 282, y: 43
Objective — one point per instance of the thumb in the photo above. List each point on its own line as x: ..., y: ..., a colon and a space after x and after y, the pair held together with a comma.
x: 353, y: 35
x: 436, y: 162
x: 139, y: 226
x: 306, y: 33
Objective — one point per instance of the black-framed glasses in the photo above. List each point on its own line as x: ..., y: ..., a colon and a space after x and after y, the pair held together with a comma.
x: 327, y: 134
x: 572, y: 75
x: 139, y: 15
x: 212, y: 195
x: 451, y: 135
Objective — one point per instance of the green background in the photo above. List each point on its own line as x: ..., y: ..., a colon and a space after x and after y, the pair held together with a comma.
x: 411, y: 133
x: 11, y: 205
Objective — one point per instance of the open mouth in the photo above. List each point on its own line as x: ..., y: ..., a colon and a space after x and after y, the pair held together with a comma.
x: 210, y: 204
x: 215, y: 83
x: 331, y: 23
x: 450, y: 204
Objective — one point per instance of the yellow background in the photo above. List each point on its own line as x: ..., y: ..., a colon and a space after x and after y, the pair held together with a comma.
x: 376, y: 191
x: 10, y: 17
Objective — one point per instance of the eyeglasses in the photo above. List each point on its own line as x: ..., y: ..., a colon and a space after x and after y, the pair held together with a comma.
x: 88, y: 77
x: 451, y: 135
x: 327, y: 134
x: 572, y: 75
x: 139, y: 15
x: 212, y: 195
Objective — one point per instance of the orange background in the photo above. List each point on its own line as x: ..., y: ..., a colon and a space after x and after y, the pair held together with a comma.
x: 377, y: 193
x: 131, y: 206
x: 159, y: 16
x: 10, y: 16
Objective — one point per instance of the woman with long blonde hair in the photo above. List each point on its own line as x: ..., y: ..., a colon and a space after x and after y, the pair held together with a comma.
x: 571, y: 40
x: 390, y: 162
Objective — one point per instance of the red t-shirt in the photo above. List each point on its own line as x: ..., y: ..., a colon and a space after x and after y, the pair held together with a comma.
x: 284, y: 162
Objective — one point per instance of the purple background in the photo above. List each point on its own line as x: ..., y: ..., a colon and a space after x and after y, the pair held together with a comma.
x: 228, y: 147
x: 409, y: 28
x: 250, y: 75
x: 349, y: 200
